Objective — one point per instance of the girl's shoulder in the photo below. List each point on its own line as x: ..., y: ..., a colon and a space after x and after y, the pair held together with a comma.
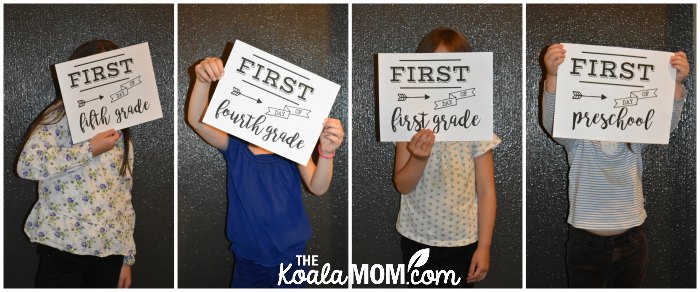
x: 476, y: 148
x: 53, y: 115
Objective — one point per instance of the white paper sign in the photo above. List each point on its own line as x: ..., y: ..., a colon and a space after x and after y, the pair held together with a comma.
x: 614, y: 94
x: 450, y: 93
x: 271, y: 103
x: 115, y: 89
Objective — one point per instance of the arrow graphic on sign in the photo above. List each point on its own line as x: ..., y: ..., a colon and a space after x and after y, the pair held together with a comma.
x: 403, y: 97
x: 81, y: 102
x: 578, y: 95
x: 237, y: 92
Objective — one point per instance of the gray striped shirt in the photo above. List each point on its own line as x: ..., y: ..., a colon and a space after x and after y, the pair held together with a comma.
x: 605, y: 178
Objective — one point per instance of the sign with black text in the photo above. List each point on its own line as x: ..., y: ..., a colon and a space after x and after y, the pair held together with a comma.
x: 271, y: 103
x: 614, y: 94
x: 449, y: 93
x: 111, y: 90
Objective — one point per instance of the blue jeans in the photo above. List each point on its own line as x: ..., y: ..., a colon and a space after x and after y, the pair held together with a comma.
x: 249, y: 274
x: 594, y: 261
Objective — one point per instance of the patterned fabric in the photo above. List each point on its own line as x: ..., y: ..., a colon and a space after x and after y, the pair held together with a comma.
x: 442, y: 209
x: 84, y: 204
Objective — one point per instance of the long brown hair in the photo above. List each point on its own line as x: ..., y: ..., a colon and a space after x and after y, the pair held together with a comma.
x: 55, y: 111
x: 448, y: 37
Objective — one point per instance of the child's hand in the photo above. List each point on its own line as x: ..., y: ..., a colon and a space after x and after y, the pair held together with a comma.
x: 209, y: 69
x: 679, y: 61
x: 331, y: 136
x: 124, y: 277
x: 479, y: 266
x: 103, y: 142
x: 421, y: 144
x: 553, y: 58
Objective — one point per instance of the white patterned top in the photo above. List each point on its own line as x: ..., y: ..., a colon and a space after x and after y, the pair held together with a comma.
x: 442, y: 209
x: 84, y: 204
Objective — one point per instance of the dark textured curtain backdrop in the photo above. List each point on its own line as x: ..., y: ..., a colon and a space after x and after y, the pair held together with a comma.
x: 669, y: 170
x: 398, y: 29
x: 37, y: 36
x: 313, y: 37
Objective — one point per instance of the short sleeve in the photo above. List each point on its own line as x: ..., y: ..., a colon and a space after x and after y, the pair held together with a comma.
x: 481, y: 147
x: 231, y: 147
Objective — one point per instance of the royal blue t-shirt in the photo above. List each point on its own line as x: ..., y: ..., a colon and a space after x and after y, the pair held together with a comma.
x: 266, y: 220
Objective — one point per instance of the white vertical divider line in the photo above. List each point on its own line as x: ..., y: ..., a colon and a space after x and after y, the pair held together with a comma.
x: 175, y: 155
x: 350, y: 134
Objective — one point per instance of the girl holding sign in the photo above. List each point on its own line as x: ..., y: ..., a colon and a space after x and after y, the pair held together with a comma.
x: 83, y: 220
x: 266, y: 221
x: 441, y: 183
x: 607, y: 245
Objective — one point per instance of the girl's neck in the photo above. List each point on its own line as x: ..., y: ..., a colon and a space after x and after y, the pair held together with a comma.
x: 257, y: 150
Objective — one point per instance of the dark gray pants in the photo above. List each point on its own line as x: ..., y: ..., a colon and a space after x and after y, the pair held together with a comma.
x: 594, y: 261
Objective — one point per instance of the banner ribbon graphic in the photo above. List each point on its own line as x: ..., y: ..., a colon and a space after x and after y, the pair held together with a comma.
x: 124, y: 91
x: 454, y: 96
x: 287, y: 111
x: 634, y: 97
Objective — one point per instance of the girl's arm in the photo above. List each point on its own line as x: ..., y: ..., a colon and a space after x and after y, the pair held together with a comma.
x: 410, y: 161
x: 679, y: 61
x: 552, y: 59
x: 124, y: 277
x: 318, y: 177
x: 42, y: 157
x: 207, y: 71
x: 486, y: 194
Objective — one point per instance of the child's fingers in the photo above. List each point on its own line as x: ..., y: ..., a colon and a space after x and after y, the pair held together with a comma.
x: 332, y: 123
x: 679, y: 58
x: 107, y: 133
x: 554, y: 49
x: 555, y: 58
x: 414, y: 139
x: 201, y: 72
x: 681, y: 54
x: 431, y: 140
x: 556, y: 46
x: 420, y: 135
x: 220, y: 66
x: 683, y: 70
x: 113, y: 139
x: 209, y: 71
x: 337, y: 137
x: 560, y: 58
x: 555, y: 54
x: 680, y: 63
x: 333, y: 139
x: 212, y: 64
x: 477, y: 276
x: 334, y: 129
x: 472, y: 269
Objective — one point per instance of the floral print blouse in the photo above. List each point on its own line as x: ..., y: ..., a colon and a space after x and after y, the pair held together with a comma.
x: 84, y: 204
